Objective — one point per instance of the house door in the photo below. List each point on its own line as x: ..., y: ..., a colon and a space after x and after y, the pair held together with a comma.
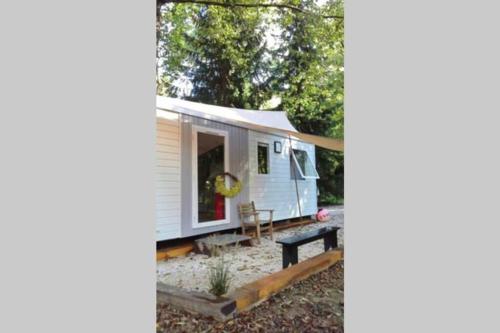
x: 210, y: 159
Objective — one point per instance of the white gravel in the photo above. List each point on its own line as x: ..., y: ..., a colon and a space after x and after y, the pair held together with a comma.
x: 247, y: 263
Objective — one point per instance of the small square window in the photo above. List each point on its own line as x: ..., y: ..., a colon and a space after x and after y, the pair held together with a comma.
x: 263, y: 158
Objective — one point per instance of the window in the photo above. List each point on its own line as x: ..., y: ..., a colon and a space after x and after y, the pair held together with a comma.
x: 302, y: 163
x: 210, y: 159
x: 210, y: 164
x: 263, y: 158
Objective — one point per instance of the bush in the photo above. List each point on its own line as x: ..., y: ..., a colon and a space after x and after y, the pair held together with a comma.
x: 329, y: 200
x: 220, y: 277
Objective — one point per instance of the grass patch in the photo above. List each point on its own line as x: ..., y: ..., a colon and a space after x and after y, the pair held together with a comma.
x: 219, y: 277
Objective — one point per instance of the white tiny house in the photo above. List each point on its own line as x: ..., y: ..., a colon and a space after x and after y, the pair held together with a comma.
x: 196, y: 142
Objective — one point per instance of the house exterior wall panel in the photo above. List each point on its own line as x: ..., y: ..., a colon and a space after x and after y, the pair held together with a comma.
x: 276, y: 190
x: 168, y: 177
x: 238, y: 166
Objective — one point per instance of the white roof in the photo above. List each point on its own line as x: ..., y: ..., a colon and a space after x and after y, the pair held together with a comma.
x: 275, y: 122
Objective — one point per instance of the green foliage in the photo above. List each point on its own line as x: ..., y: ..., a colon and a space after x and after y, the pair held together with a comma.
x: 228, y: 56
x: 221, y: 51
x: 172, y: 47
x: 330, y: 166
x: 329, y: 200
x: 219, y: 277
x: 310, y: 79
x: 310, y: 82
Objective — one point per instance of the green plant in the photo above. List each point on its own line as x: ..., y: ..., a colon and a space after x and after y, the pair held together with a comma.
x: 219, y: 277
x: 213, y: 249
x: 330, y: 199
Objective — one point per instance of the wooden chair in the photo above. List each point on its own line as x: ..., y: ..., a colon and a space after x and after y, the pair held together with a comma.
x: 250, y: 218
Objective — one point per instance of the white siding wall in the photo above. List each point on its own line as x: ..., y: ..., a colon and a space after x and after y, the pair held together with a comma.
x: 276, y: 190
x: 168, y: 176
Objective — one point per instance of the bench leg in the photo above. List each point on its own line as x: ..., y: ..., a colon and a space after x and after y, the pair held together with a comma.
x: 286, y: 256
x: 290, y: 256
x: 330, y: 241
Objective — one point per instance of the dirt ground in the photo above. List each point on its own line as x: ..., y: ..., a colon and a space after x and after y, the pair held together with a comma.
x: 313, y: 305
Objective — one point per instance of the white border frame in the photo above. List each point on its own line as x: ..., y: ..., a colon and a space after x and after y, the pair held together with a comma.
x: 300, y: 169
x: 262, y: 142
x: 194, y: 181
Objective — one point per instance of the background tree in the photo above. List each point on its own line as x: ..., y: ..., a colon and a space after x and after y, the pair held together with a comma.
x: 310, y: 82
x: 227, y: 52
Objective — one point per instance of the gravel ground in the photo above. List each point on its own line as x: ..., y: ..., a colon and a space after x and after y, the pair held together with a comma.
x: 247, y: 263
x: 312, y: 305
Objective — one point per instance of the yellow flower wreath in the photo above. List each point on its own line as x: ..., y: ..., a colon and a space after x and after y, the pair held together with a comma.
x: 220, y: 186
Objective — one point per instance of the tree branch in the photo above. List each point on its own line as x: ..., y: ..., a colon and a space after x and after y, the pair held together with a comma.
x: 246, y: 5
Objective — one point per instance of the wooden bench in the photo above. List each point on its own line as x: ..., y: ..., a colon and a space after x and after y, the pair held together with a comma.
x: 291, y: 244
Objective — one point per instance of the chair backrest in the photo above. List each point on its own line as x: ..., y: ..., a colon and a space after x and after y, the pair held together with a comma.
x: 246, y: 209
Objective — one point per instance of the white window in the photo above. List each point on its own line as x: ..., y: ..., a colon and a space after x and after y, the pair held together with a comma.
x: 263, y: 158
x: 304, y: 165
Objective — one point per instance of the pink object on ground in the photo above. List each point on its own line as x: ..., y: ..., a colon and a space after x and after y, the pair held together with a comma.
x: 323, y: 215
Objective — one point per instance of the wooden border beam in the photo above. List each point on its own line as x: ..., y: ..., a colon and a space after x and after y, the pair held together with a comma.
x: 219, y: 308
x: 175, y: 251
x: 258, y: 291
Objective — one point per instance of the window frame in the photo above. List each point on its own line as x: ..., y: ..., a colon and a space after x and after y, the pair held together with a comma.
x: 267, y: 145
x: 194, y: 181
x: 297, y: 165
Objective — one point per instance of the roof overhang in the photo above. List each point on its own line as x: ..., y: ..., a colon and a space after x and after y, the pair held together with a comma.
x: 274, y: 122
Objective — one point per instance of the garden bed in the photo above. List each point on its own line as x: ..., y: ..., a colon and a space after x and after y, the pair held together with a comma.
x: 311, y: 305
x: 247, y: 264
